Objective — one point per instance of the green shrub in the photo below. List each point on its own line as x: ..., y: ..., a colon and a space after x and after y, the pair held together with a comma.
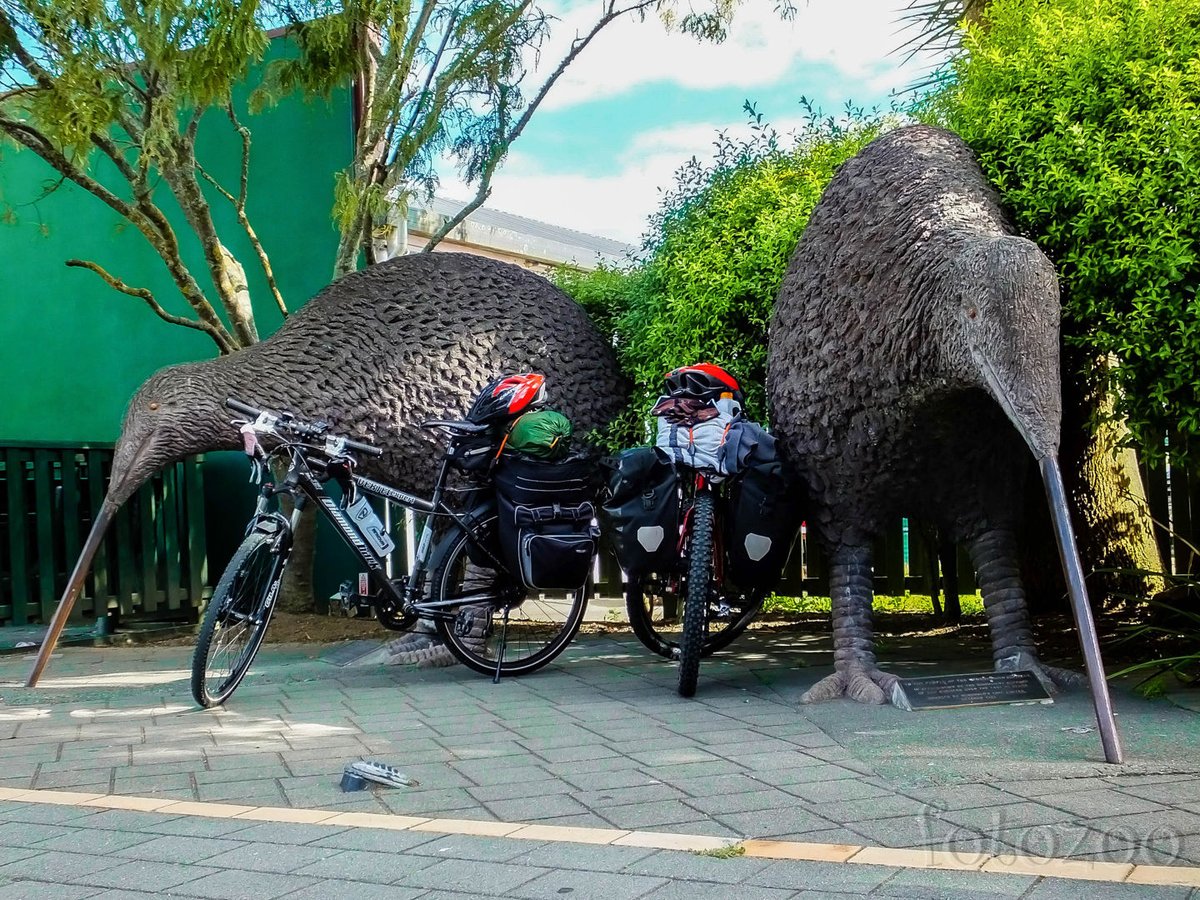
x: 718, y: 248
x: 714, y: 256
x: 1084, y: 115
x: 607, y: 294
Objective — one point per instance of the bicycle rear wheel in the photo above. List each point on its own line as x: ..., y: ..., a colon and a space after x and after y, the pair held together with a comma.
x: 653, y: 609
x: 700, y: 587
x: 538, y: 628
x: 236, y: 620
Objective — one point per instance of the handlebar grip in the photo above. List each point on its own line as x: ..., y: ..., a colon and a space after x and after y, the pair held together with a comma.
x: 241, y: 407
x: 364, y: 448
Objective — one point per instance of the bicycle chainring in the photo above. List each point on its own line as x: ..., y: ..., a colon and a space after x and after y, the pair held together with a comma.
x: 393, y: 618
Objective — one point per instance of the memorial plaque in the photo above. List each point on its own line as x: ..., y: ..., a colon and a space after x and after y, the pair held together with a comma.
x: 971, y: 689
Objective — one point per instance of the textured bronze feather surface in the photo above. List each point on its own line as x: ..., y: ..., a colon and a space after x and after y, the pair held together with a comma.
x: 377, y: 352
x: 907, y: 285
x: 913, y: 365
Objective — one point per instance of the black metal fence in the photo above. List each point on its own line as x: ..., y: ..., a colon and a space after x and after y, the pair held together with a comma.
x: 153, y: 563
x: 151, y: 566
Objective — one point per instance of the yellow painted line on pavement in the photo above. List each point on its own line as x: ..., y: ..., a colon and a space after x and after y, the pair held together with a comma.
x: 1077, y: 869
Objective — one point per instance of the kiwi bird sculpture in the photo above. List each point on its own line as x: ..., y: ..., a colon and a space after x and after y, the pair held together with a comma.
x: 374, y: 354
x: 913, y: 367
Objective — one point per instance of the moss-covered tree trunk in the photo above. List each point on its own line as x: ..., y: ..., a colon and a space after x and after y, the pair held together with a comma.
x: 296, y: 593
x: 1114, y: 527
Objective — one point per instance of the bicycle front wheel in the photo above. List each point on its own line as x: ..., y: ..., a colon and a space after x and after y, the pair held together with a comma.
x: 699, y: 589
x: 653, y: 607
x: 529, y: 629
x: 236, y: 620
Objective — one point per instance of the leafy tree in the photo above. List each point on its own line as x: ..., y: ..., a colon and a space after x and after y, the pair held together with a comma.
x: 441, y: 76
x: 132, y: 85
x: 1084, y: 115
x: 716, y: 252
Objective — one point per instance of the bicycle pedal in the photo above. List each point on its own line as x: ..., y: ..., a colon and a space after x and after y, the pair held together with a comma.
x: 467, y: 624
x: 378, y: 772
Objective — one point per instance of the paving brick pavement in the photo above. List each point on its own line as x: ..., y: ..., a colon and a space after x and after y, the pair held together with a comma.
x: 598, y: 740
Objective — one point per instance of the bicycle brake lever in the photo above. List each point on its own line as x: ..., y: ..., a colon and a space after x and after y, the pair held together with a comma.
x: 250, y: 445
x: 254, y: 450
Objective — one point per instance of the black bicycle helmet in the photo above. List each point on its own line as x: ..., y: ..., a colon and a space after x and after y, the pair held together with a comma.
x: 703, y: 381
x: 508, y: 396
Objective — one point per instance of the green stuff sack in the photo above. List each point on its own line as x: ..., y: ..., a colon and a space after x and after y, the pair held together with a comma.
x: 543, y: 434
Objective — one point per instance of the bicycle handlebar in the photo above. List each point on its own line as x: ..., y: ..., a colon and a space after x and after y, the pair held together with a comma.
x: 244, y: 408
x: 364, y: 448
x: 299, y: 427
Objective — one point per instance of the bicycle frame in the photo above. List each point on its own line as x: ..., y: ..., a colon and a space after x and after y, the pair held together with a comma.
x: 304, y: 486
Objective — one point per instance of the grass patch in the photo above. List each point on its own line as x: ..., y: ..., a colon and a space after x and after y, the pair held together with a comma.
x: 972, y: 604
x: 731, y: 851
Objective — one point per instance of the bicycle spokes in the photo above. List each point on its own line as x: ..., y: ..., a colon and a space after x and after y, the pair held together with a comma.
x: 239, y: 619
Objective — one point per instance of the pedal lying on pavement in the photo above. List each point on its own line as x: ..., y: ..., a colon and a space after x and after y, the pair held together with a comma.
x: 380, y: 773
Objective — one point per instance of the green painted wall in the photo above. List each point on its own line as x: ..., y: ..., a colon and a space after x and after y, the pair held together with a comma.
x: 74, y: 350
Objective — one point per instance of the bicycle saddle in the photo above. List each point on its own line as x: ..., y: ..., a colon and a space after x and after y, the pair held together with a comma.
x: 455, y: 426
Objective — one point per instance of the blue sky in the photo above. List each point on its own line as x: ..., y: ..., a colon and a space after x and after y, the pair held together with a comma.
x: 639, y: 102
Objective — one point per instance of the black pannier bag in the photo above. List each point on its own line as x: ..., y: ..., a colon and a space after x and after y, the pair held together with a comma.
x: 473, y: 452
x: 762, y: 515
x: 546, y: 531
x: 642, y: 512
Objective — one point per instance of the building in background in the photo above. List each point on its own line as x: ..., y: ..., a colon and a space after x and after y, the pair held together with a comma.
x: 534, y: 245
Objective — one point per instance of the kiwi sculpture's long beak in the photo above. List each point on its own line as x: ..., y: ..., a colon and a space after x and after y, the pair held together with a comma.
x: 1034, y: 406
x: 74, y: 586
x: 1077, y: 590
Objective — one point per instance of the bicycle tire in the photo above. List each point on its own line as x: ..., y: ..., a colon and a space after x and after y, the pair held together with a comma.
x: 699, y: 586
x: 239, y: 612
x: 648, y: 620
x: 539, y: 627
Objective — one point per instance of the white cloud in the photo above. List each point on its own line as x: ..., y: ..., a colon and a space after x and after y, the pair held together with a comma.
x: 616, y: 204
x: 698, y: 138
x: 857, y: 38
x: 852, y: 37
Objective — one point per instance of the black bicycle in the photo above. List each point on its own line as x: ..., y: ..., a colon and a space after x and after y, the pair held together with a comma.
x: 481, y: 610
x: 680, y: 603
x: 692, y: 611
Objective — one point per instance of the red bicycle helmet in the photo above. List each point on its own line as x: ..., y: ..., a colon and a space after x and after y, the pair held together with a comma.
x: 703, y: 381
x: 508, y: 396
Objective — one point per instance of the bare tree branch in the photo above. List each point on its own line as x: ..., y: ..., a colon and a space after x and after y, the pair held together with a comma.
x: 239, y: 205
x: 144, y: 293
x: 30, y: 137
x: 180, y: 175
x: 18, y: 91
x: 498, y: 153
x: 109, y: 148
x: 24, y: 57
x: 165, y: 244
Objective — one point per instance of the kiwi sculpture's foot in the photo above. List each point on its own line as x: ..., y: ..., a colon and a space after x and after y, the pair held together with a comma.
x: 857, y: 683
